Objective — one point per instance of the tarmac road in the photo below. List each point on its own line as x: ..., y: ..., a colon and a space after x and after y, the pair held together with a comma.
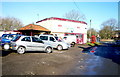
x: 67, y: 62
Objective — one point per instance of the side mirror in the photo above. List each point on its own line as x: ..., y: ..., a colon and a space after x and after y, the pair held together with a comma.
x: 42, y: 42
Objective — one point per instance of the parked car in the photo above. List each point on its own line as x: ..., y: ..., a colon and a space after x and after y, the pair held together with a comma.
x: 29, y: 43
x: 5, y: 40
x: 54, y: 42
x: 70, y: 40
x: 117, y: 42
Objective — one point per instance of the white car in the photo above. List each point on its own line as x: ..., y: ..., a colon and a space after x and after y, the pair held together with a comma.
x: 29, y: 43
x: 54, y: 42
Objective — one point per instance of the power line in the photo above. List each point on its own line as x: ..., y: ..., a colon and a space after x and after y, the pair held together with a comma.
x: 79, y: 10
x: 76, y: 5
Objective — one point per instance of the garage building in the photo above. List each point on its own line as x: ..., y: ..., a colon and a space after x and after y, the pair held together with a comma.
x: 63, y: 27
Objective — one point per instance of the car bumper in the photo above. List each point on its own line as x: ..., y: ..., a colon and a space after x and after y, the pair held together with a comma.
x: 13, y: 48
x: 3, y: 44
x: 66, y: 47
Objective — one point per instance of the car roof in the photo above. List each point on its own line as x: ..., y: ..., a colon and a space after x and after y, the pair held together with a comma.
x: 45, y: 35
x: 25, y: 36
x: 11, y: 34
x: 28, y: 36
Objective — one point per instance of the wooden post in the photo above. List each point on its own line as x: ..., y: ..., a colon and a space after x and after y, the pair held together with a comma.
x: 31, y: 33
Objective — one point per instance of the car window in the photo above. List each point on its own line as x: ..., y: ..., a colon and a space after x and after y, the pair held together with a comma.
x: 26, y: 39
x: 5, y: 36
x: 44, y: 37
x: 56, y: 38
x: 52, y: 39
x: 35, y: 39
x: 65, y: 38
x: 10, y: 37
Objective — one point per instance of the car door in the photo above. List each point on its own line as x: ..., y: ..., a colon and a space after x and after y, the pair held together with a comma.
x: 53, y: 42
x: 26, y: 41
x: 38, y: 44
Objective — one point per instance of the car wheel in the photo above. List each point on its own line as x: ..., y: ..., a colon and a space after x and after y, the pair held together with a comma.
x: 72, y: 44
x: 59, y: 47
x: 48, y: 50
x: 6, y: 46
x: 21, y: 50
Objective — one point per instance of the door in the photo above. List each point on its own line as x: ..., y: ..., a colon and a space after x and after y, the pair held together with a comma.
x: 79, y: 38
x: 53, y: 42
x: 37, y: 44
x: 26, y: 41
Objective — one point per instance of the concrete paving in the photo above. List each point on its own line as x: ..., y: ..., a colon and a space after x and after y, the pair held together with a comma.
x: 74, y: 61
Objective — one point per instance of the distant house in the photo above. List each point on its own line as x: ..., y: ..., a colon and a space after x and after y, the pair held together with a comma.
x: 32, y: 29
x: 63, y: 27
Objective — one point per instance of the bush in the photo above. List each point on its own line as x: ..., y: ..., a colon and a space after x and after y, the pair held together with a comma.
x: 93, y: 44
x: 97, y: 43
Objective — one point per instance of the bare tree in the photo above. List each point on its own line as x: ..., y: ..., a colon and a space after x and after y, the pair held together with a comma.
x: 111, y: 22
x: 10, y: 23
x: 108, y: 28
x: 74, y: 15
x: 106, y: 32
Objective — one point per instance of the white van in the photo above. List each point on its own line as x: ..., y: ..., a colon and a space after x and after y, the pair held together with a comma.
x: 54, y: 42
x: 71, y: 39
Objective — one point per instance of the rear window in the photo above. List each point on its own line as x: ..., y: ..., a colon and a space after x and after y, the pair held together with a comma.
x: 8, y: 36
x: 16, y: 38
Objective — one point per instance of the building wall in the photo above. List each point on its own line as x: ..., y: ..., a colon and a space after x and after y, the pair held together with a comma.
x: 60, y: 27
x: 64, y: 26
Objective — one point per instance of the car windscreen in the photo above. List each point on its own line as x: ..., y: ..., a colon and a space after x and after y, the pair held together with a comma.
x: 56, y: 38
x: 15, y: 38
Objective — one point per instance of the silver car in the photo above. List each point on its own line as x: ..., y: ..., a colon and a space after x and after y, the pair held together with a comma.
x: 54, y: 42
x: 29, y: 43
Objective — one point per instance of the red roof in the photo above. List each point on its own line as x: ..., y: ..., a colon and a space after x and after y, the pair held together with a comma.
x: 62, y: 19
x: 34, y: 27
